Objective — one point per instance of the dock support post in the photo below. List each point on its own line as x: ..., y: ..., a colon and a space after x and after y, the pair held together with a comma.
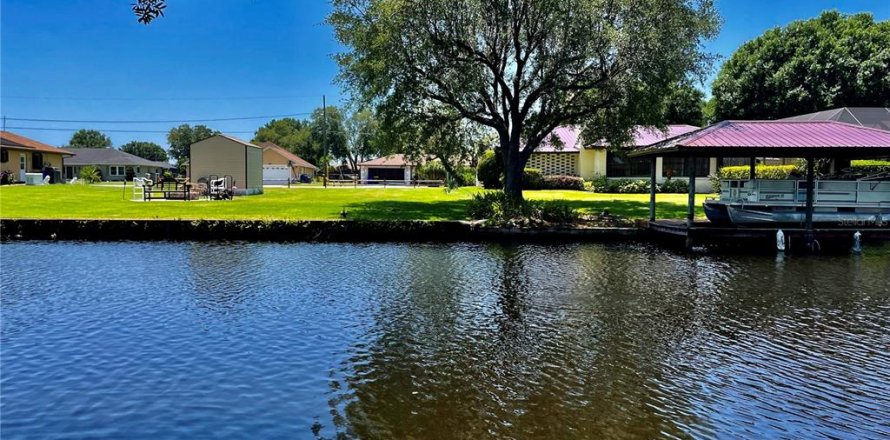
x: 652, y: 179
x: 809, y: 237
x: 690, y: 209
x: 752, y: 172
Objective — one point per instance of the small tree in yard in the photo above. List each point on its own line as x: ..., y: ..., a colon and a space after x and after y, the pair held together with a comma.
x: 89, y: 174
x: 523, y: 67
x: 361, y: 134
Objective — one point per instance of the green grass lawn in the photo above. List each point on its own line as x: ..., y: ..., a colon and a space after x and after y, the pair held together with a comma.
x: 303, y: 203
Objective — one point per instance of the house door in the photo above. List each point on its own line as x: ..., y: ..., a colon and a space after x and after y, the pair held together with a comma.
x: 22, y: 167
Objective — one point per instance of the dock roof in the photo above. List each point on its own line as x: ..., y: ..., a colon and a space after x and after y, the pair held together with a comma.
x: 775, y: 138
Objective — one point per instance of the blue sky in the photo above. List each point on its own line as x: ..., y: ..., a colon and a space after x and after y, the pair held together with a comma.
x: 91, y: 60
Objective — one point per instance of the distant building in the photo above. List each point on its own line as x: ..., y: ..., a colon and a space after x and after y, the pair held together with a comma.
x: 113, y: 164
x: 21, y: 155
x: 871, y: 117
x: 279, y: 165
x: 227, y: 156
x: 392, y: 167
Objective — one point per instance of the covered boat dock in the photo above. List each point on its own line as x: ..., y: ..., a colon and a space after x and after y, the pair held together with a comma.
x: 810, y: 140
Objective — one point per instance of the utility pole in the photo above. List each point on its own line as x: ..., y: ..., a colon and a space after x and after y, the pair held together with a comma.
x: 324, y: 118
x: 4, y: 122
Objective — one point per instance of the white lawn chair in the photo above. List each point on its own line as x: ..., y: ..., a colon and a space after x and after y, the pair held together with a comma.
x: 217, y: 189
x: 139, y: 184
x: 46, y: 180
x: 73, y: 181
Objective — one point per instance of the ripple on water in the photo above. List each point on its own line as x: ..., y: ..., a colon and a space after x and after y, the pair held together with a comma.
x: 570, y: 341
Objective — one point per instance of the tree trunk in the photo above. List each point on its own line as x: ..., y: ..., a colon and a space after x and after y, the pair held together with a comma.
x: 513, y: 167
x: 450, y: 174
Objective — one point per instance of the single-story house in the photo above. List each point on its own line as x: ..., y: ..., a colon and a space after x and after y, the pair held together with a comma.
x: 227, y: 156
x: 113, y: 164
x: 21, y: 155
x: 392, y: 167
x: 279, y: 165
x: 575, y: 158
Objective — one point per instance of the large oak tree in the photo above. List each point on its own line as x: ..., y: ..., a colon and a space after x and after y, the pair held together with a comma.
x: 523, y: 67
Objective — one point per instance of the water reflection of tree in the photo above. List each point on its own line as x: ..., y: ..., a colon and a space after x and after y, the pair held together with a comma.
x: 406, y: 380
x: 531, y: 341
x: 576, y: 341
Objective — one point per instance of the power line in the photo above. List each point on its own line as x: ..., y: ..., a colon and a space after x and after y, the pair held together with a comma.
x: 208, y: 98
x: 172, y: 121
x: 111, y: 130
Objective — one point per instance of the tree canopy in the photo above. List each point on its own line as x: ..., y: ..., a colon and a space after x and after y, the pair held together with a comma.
x: 522, y: 67
x: 182, y: 137
x: 684, y: 105
x: 84, y: 138
x: 335, y: 132
x: 830, y: 61
x: 291, y: 134
x: 362, y: 135
x: 145, y: 150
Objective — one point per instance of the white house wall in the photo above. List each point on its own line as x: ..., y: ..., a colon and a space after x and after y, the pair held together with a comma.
x: 593, y: 163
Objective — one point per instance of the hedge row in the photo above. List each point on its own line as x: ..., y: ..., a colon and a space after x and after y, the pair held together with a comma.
x: 773, y: 172
x: 601, y: 184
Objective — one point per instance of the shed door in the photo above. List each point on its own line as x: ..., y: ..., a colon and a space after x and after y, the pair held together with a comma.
x: 386, y: 173
x: 275, y: 174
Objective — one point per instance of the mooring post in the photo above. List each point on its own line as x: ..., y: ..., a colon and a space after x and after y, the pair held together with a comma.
x: 652, y: 190
x: 809, y: 236
x: 690, y: 209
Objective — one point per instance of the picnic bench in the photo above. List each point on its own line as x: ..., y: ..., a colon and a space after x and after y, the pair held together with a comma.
x: 180, y: 189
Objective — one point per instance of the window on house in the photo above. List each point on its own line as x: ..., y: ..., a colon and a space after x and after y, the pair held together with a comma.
x: 733, y: 162
x: 116, y: 171
x: 4, y: 156
x: 620, y: 166
x: 676, y: 167
x: 36, y: 161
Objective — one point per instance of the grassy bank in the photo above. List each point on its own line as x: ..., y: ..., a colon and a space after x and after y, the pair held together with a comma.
x: 312, y: 203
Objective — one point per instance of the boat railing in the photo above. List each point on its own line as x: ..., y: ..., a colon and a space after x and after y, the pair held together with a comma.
x: 870, y: 192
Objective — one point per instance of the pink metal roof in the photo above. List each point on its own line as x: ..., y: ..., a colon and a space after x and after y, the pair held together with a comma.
x: 643, y: 136
x: 570, y: 137
x: 786, y: 134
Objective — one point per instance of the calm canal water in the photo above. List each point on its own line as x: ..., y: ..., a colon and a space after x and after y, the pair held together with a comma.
x: 198, y: 340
